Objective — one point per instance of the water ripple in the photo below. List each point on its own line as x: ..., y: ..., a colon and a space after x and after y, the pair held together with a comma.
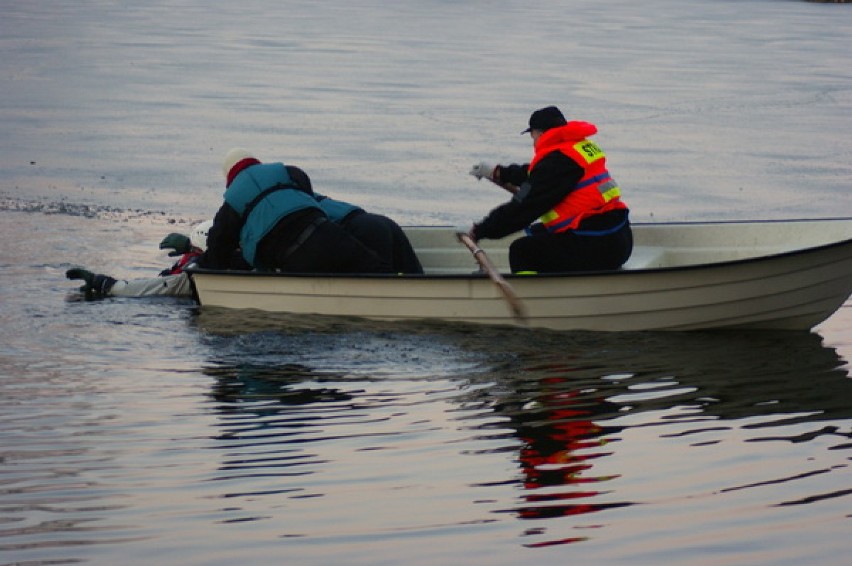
x: 312, y: 432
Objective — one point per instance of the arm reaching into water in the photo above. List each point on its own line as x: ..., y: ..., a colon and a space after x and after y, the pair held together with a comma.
x: 100, y: 285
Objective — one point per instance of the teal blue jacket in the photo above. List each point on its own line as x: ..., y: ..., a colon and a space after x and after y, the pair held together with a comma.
x: 262, y: 195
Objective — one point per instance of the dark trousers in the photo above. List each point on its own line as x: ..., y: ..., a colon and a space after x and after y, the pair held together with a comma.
x: 386, y: 238
x: 329, y: 249
x: 570, y: 251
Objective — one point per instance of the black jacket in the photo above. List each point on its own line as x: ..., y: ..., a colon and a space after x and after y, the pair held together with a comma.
x: 553, y: 178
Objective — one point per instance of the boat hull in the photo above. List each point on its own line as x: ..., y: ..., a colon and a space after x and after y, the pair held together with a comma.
x: 792, y: 289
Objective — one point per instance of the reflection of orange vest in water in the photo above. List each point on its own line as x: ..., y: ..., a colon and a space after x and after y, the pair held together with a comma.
x: 595, y: 193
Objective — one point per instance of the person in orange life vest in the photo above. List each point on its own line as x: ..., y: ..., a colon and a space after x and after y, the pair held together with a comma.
x: 582, y: 221
x: 270, y: 215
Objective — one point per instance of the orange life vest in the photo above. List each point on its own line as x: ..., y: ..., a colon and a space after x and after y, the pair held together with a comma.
x: 596, y: 192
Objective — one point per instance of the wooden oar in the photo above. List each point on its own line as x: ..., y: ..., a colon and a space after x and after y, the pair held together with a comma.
x: 508, y: 293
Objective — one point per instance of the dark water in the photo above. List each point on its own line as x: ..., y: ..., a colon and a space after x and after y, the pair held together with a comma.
x: 140, y: 432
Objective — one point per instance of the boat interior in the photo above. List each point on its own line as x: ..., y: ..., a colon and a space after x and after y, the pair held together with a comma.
x: 656, y: 246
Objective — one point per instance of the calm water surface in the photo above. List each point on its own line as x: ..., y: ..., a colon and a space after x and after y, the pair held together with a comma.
x: 140, y: 432
x: 146, y: 431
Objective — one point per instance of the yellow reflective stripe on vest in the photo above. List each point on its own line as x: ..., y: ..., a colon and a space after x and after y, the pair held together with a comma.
x: 609, y: 190
x: 589, y: 150
x: 549, y: 217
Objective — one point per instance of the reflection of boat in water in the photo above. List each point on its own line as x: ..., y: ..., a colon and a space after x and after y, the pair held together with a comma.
x: 682, y: 276
x: 739, y: 375
x: 726, y: 374
x: 263, y: 411
x: 564, y: 406
x: 284, y: 384
x: 571, y: 408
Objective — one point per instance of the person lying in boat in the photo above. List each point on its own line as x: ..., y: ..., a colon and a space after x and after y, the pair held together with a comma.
x: 582, y: 220
x: 172, y: 282
x: 270, y: 215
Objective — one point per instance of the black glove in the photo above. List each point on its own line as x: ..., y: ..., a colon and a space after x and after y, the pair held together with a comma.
x: 84, y: 274
x: 95, y: 284
x: 178, y: 242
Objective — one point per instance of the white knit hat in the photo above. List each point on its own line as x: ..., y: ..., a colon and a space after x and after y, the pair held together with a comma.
x: 233, y: 157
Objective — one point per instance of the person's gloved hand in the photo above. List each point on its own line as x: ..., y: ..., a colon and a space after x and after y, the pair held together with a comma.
x: 467, y: 231
x: 472, y: 233
x: 84, y: 274
x: 178, y: 242
x: 482, y: 169
x: 97, y: 285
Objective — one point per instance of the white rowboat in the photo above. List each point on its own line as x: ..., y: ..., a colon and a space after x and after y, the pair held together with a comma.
x: 790, y: 274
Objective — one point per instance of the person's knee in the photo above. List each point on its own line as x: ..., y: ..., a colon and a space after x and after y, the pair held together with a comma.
x: 522, y: 256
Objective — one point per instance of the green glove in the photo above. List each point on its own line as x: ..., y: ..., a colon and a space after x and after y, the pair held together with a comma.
x: 178, y: 242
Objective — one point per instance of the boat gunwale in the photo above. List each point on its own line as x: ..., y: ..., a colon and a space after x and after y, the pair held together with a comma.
x: 194, y: 269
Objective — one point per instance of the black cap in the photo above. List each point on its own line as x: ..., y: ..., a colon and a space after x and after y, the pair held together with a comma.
x: 546, y: 118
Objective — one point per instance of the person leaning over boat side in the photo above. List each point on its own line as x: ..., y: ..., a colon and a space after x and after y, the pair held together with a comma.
x: 583, y: 222
x: 269, y: 214
x: 172, y: 282
x: 378, y: 232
